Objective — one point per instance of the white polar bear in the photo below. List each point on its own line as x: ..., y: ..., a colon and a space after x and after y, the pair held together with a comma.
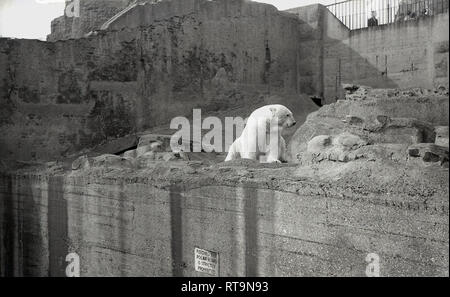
x: 262, y: 135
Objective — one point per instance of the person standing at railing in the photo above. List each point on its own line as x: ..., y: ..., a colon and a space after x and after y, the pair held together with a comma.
x: 373, y: 21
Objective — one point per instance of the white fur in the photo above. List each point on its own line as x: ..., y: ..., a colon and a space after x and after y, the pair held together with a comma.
x: 255, y: 140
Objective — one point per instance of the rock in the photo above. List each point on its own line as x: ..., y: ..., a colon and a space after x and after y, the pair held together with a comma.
x: 156, y: 146
x: 350, y: 87
x: 332, y: 148
x: 353, y: 120
x: 442, y: 136
x: 115, y: 146
x: 108, y: 160
x: 348, y: 141
x: 400, y: 130
x: 442, y: 90
x: 141, y: 150
x: 429, y: 152
x: 382, y: 120
x: 170, y: 157
x: 414, y: 152
x: 343, y: 157
x: 130, y: 154
x: 354, y: 92
x: 151, y: 155
x: 382, y: 151
x: 148, y: 139
x: 146, y: 159
x: 184, y: 156
x: 431, y: 157
x: 82, y: 163
x: 53, y: 167
x: 319, y: 143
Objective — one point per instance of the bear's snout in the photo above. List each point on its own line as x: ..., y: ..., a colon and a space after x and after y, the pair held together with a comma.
x: 294, y: 123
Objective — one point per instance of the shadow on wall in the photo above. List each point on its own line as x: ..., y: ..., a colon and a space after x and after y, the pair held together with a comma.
x: 326, y: 61
x: 410, y: 54
x: 24, y: 250
x: 351, y: 68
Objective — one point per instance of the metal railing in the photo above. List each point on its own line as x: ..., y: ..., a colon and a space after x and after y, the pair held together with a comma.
x: 355, y: 14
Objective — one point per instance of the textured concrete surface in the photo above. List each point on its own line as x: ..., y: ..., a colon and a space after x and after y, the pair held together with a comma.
x: 320, y: 220
x: 92, y: 14
x: 401, y: 55
x: 59, y: 98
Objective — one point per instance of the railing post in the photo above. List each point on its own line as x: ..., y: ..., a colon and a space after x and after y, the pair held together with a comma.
x: 388, y: 13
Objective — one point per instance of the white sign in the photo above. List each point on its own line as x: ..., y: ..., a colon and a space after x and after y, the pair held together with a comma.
x: 373, y: 266
x: 206, y: 261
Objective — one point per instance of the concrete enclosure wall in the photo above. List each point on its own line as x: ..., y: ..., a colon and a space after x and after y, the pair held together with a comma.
x: 399, y: 55
x: 58, y: 98
x: 124, y: 222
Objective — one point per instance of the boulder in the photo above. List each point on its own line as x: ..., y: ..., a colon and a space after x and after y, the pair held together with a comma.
x: 348, y: 141
x: 170, y: 156
x: 429, y: 152
x: 399, y: 130
x: 82, y: 163
x: 148, y: 139
x: 146, y: 159
x: 353, y: 120
x: 339, y: 148
x: 141, y: 150
x: 109, y: 160
x: 319, y: 143
x: 442, y: 136
x: 130, y: 154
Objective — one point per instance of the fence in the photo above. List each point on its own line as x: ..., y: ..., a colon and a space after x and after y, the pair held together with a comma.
x: 355, y: 14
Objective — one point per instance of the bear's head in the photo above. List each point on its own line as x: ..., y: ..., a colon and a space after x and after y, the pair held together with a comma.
x: 283, y: 115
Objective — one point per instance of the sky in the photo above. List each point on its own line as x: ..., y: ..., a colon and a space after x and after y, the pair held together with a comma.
x: 31, y: 18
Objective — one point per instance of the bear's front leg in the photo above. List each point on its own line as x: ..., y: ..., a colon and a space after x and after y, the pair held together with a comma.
x: 282, y: 148
x: 249, y: 155
x: 273, y: 155
x: 271, y: 159
x: 233, y: 151
x: 249, y: 146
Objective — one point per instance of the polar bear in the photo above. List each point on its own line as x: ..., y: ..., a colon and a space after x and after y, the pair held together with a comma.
x: 262, y: 135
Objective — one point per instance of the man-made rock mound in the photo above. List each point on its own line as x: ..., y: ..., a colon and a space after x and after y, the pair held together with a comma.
x: 376, y: 124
